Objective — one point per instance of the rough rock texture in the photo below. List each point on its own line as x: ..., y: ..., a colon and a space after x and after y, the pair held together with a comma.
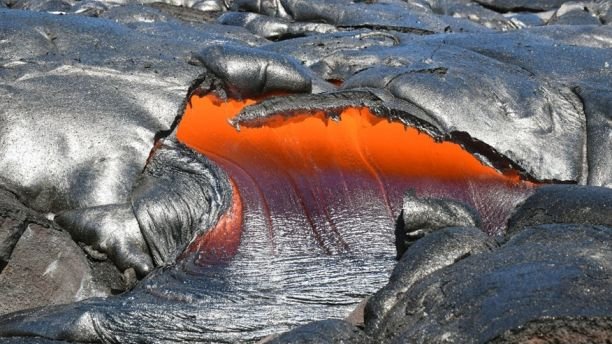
x: 14, y: 219
x: 43, y: 264
x: 273, y: 28
x: 564, y: 204
x: 434, y: 252
x: 325, y: 331
x: 480, y: 297
x: 30, y: 340
x: 595, y: 330
x: 46, y: 268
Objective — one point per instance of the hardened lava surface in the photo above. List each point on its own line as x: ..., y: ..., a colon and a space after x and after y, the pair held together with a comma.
x: 222, y: 171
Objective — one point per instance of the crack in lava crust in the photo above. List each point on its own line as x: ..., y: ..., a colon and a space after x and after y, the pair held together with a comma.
x: 319, y: 201
x: 330, y: 176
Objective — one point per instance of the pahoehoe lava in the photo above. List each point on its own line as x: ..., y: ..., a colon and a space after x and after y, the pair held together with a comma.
x: 224, y: 171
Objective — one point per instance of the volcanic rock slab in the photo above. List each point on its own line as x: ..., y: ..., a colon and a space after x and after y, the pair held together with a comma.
x: 564, y: 204
x: 482, y: 296
x: 14, y: 219
x: 46, y: 268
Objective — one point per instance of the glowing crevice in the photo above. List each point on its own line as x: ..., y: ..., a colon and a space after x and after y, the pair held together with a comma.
x: 347, y: 172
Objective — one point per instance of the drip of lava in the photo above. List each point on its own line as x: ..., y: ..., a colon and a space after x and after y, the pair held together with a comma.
x: 311, y: 228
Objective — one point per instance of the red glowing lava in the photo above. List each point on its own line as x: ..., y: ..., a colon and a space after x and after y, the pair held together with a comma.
x: 315, y: 172
x: 360, y: 141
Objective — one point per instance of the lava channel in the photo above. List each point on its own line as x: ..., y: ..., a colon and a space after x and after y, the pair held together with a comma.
x: 332, y: 185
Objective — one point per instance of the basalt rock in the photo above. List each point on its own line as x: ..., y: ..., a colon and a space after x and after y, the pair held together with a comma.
x: 421, y: 216
x: 41, y: 264
x: 433, y: 252
x: 46, y: 268
x: 581, y: 330
x: 14, y: 220
x: 30, y: 340
x: 273, y: 28
x: 564, y: 204
x: 325, y: 331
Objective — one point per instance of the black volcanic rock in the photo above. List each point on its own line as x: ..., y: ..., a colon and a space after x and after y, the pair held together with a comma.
x: 547, y: 271
x: 41, y: 265
x: 422, y: 216
x: 433, y: 252
x: 46, y: 267
x: 30, y: 340
x: 521, y: 5
x: 564, y: 204
x: 325, y: 331
x: 14, y: 219
x: 583, y: 330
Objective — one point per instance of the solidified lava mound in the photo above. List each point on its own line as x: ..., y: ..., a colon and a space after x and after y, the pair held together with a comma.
x: 236, y: 171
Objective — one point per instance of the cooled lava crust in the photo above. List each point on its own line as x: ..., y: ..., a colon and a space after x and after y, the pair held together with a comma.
x: 235, y: 169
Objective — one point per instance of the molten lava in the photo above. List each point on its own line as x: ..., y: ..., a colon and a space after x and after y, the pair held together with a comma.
x: 339, y: 177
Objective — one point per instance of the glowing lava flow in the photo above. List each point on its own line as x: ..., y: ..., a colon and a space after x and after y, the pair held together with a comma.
x: 339, y: 177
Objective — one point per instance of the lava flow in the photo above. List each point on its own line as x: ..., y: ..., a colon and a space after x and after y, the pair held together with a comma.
x: 324, y: 183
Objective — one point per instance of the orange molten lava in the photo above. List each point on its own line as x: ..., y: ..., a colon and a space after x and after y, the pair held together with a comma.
x: 360, y: 141
x: 311, y: 178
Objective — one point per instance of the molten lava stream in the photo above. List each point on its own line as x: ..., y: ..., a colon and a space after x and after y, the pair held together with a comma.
x: 319, y: 185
